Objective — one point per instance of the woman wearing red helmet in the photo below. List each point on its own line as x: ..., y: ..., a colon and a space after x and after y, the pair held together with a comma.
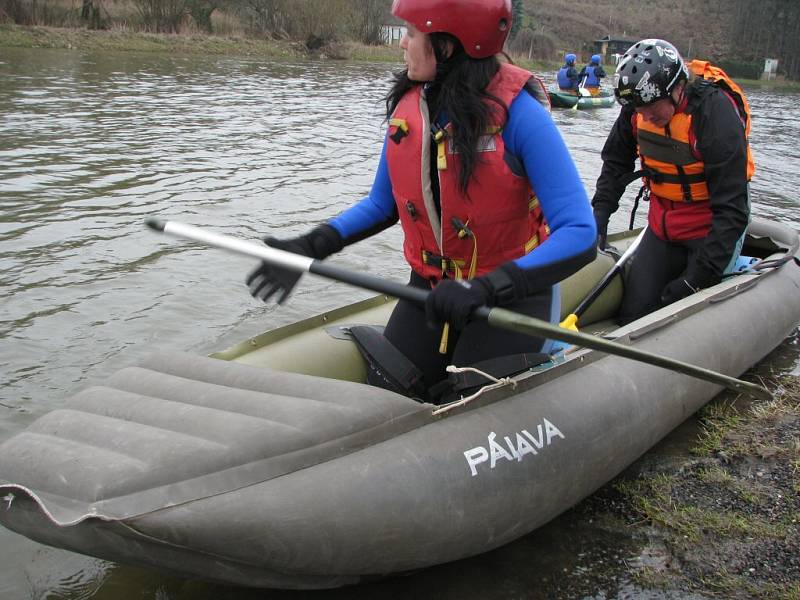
x: 491, y: 205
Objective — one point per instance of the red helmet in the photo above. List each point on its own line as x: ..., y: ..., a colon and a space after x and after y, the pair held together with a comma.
x: 481, y: 26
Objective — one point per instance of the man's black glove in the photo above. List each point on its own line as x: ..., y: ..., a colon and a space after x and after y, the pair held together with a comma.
x: 453, y: 301
x: 695, y: 279
x: 601, y: 218
x: 267, y: 280
x: 677, y: 289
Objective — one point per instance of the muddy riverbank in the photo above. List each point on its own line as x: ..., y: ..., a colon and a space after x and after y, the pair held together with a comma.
x: 720, y: 523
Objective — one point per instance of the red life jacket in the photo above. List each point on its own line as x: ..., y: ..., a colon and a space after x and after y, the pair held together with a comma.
x: 679, y: 207
x: 499, y: 218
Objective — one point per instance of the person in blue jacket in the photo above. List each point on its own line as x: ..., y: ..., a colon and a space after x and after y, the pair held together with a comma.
x: 567, y: 75
x: 591, y: 74
x: 489, y: 199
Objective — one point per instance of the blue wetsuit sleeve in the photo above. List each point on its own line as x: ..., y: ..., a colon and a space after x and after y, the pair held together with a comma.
x: 372, y: 214
x: 531, y: 135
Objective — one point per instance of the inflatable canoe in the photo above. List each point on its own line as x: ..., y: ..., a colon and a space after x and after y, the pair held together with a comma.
x: 271, y: 463
x: 559, y: 99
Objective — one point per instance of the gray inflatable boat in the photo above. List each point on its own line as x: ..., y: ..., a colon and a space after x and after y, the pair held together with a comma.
x: 271, y: 464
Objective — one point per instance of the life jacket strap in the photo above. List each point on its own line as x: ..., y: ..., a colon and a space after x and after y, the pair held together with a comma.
x: 401, y: 131
x: 439, y: 135
x: 463, y: 231
x: 644, y: 193
x: 444, y: 263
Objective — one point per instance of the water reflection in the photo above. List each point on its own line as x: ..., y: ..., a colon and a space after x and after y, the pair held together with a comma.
x: 91, y: 144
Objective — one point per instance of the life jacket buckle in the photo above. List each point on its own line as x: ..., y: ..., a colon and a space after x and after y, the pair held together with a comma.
x: 442, y: 262
x: 400, y: 132
x: 461, y: 228
x: 438, y: 133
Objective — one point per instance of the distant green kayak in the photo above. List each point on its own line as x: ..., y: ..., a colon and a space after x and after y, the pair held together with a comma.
x: 559, y: 99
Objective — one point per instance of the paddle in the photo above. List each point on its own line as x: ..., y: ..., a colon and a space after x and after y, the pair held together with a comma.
x: 571, y: 320
x: 582, y: 92
x: 497, y: 317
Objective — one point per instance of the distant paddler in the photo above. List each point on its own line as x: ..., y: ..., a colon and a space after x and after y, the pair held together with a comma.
x: 591, y: 75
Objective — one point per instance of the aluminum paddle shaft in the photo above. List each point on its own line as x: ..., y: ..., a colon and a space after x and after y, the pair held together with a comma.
x: 497, y: 317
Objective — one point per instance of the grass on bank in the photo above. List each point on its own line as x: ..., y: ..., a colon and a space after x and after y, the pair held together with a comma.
x: 122, y: 40
x: 734, y: 506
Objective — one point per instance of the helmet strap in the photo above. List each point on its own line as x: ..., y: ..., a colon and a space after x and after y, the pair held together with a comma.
x: 676, y: 103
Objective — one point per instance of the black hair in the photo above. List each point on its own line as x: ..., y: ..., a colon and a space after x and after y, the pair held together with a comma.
x: 460, y: 90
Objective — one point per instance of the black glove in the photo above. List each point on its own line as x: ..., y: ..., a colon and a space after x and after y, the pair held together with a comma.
x: 698, y: 276
x: 601, y: 218
x: 677, y: 289
x: 267, y: 280
x: 453, y: 301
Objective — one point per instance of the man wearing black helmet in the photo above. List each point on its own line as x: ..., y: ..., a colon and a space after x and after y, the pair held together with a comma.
x: 689, y: 132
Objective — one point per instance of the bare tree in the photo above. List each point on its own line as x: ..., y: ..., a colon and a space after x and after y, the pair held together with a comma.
x: 90, y: 14
x: 162, y: 15
x: 367, y: 19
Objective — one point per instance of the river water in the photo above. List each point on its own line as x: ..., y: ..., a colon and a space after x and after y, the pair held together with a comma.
x: 92, y: 144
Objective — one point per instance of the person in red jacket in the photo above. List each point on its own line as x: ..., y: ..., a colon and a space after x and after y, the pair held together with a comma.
x: 690, y: 136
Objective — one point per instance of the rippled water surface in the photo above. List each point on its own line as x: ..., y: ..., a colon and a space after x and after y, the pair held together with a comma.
x: 91, y: 145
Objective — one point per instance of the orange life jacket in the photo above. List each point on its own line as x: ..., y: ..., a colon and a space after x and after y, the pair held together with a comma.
x: 498, y: 220
x: 678, y: 189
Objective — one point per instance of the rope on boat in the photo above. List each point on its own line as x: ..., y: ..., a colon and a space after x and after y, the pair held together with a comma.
x: 498, y: 383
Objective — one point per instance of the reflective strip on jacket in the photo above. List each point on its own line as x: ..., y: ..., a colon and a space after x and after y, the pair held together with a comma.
x: 499, y: 221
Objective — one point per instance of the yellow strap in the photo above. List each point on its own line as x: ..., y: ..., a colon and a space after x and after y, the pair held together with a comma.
x: 446, y: 329
x: 532, y: 243
x: 533, y: 204
x: 443, y: 341
x: 473, y: 268
x: 401, y: 123
x: 441, y: 158
x: 473, y: 265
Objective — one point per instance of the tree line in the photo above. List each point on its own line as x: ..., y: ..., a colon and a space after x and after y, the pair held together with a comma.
x: 324, y: 20
x: 739, y: 34
x: 768, y: 29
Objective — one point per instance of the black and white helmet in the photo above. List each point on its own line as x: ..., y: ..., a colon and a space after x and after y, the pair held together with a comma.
x: 648, y: 72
